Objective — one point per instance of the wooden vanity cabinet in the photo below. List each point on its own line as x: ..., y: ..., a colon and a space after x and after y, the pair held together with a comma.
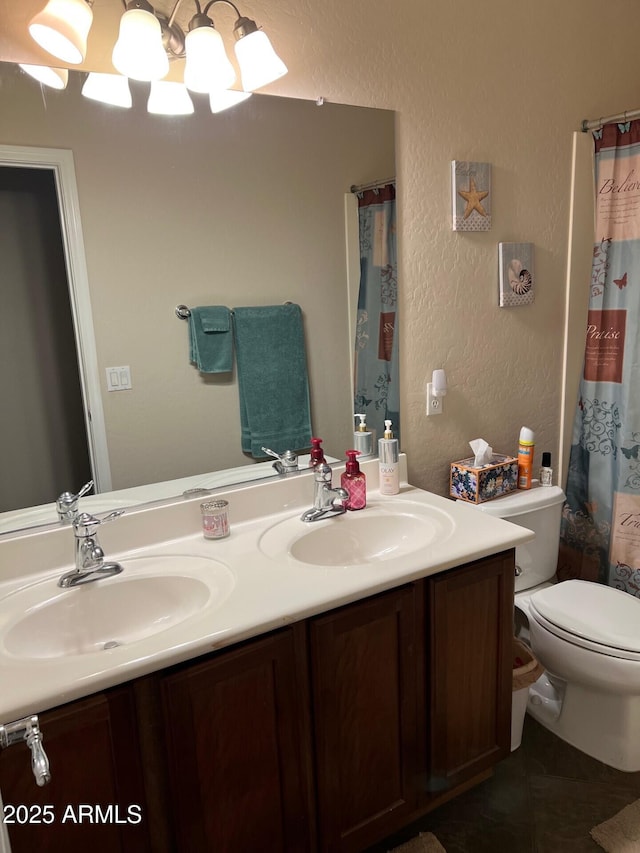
x: 95, y: 800
x: 239, y: 754
x: 364, y: 688
x: 469, y: 660
x: 411, y: 699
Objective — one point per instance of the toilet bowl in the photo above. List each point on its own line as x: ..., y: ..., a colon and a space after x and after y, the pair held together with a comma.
x: 586, y: 635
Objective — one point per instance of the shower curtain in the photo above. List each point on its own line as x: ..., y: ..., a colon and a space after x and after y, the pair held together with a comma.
x: 376, y: 391
x: 600, y: 534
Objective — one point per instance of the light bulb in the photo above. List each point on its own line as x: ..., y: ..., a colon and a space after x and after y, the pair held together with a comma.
x: 61, y: 29
x: 219, y: 101
x: 169, y: 99
x: 258, y: 61
x: 207, y: 67
x: 56, y: 78
x: 139, y: 52
x: 110, y: 89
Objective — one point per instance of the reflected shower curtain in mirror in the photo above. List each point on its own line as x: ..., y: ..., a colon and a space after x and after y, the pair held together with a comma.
x: 377, y: 391
x: 600, y: 535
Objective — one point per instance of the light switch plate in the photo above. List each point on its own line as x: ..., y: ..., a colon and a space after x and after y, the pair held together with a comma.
x: 119, y: 378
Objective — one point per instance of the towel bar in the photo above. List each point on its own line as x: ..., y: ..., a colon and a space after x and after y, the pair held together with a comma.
x: 183, y: 313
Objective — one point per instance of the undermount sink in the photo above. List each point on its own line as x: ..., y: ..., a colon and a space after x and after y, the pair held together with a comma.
x: 153, y: 594
x: 383, y: 531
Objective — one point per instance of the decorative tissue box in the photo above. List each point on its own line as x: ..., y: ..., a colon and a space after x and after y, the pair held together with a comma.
x: 482, y: 484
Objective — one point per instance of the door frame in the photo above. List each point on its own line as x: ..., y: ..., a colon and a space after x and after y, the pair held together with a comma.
x: 60, y: 162
x: 352, y: 245
x: 578, y: 287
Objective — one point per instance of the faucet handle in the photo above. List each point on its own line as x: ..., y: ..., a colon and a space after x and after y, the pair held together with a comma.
x: 270, y: 452
x: 86, y: 488
x: 86, y: 524
x: 286, y: 462
x: 67, y: 503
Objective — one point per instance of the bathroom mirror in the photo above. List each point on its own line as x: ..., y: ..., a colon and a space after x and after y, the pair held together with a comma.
x: 246, y: 207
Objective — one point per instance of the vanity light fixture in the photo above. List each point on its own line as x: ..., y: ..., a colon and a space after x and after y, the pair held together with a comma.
x: 62, y: 27
x: 56, y: 78
x: 148, y: 41
x: 207, y: 67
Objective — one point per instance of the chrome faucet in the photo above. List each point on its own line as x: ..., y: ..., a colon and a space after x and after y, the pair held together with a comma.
x: 90, y: 564
x: 67, y: 503
x: 327, y: 501
x: 286, y: 463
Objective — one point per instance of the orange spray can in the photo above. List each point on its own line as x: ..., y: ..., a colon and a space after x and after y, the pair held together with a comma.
x: 526, y: 445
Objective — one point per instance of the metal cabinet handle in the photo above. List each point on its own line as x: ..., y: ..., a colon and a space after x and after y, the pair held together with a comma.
x: 27, y: 729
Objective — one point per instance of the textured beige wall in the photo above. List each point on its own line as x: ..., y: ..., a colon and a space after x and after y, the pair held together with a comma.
x: 496, y: 81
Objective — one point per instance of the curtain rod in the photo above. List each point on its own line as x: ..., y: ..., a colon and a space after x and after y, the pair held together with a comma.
x: 597, y: 123
x: 359, y: 188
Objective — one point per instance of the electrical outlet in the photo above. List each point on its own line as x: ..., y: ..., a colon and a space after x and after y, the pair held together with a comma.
x: 434, y: 403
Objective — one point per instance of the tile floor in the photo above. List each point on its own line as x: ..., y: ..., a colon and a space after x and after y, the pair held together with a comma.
x: 543, y: 799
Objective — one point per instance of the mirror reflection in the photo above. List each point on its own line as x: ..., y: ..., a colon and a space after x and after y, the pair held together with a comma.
x: 242, y: 208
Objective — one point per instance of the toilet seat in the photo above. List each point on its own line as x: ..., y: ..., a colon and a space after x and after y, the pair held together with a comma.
x: 590, y: 615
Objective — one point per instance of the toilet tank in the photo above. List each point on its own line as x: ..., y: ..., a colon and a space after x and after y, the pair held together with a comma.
x: 539, y: 509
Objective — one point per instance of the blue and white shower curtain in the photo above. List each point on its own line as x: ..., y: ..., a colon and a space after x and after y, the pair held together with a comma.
x: 377, y: 391
x: 600, y: 536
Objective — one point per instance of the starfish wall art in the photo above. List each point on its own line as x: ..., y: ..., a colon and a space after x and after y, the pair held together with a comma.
x: 471, y: 195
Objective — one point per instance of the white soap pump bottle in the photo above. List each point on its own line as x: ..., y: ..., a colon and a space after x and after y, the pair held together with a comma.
x: 388, y: 456
x: 362, y: 438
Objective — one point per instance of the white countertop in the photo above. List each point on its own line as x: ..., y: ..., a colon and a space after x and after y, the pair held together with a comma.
x: 265, y: 592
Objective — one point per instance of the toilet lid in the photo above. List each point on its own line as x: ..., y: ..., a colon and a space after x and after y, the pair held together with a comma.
x: 591, y: 611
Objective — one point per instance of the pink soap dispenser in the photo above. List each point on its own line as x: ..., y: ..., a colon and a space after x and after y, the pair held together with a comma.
x: 355, y: 482
x: 317, y: 454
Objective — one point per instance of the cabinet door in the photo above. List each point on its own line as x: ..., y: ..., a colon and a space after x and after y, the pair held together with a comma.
x: 95, y: 799
x: 239, y: 759
x: 364, y: 688
x: 470, y: 612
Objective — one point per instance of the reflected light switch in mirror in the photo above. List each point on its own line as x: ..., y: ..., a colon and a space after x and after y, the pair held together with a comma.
x: 118, y: 378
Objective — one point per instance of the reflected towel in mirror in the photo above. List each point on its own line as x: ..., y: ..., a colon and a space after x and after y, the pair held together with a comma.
x: 211, y: 339
x: 273, y: 383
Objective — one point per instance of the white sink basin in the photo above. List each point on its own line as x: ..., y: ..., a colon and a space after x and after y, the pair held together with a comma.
x: 383, y: 531
x: 153, y: 594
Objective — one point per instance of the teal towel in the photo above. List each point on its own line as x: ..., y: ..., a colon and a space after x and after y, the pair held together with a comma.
x: 211, y: 339
x: 272, y: 379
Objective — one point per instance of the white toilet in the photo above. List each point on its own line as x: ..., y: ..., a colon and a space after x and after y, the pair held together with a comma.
x: 586, y: 635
